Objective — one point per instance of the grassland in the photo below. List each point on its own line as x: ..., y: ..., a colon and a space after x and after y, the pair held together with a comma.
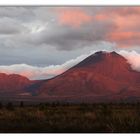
x: 83, y: 118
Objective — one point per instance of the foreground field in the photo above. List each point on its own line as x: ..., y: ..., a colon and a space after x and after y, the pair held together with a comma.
x: 70, y: 118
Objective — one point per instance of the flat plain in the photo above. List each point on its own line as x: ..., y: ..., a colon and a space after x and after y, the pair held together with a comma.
x: 70, y: 118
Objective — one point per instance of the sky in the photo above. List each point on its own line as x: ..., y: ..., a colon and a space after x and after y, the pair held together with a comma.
x: 42, y: 42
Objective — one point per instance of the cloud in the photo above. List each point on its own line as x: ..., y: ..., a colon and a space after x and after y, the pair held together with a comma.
x: 34, y: 72
x: 17, y: 12
x: 67, y: 38
x: 133, y: 58
x: 9, y: 26
x: 55, y: 28
x: 125, y: 39
x: 74, y: 27
x: 68, y: 28
x: 74, y: 17
x: 126, y: 32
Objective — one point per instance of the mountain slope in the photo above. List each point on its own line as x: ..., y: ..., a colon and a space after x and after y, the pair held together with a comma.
x: 13, y: 83
x: 101, y: 76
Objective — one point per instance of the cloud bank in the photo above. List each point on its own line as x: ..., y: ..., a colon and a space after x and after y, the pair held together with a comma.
x: 133, y: 58
x: 34, y: 72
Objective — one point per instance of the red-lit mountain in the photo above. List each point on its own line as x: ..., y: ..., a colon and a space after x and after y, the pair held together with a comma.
x: 100, y: 77
x: 13, y: 83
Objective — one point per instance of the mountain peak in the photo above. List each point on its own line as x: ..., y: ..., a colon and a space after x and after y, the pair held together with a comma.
x: 102, y: 56
x: 113, y: 53
x: 14, y: 76
x: 13, y: 83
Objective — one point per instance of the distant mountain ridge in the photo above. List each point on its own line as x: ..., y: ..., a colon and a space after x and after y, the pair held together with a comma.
x: 101, y: 77
x: 13, y: 83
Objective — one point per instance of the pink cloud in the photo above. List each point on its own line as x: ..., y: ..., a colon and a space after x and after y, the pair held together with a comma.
x: 127, y: 31
x: 73, y: 17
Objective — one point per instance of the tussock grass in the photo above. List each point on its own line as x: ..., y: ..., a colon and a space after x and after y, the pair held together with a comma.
x: 58, y: 118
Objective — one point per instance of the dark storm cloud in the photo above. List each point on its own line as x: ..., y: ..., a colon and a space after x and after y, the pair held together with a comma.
x: 40, y: 26
x: 70, y: 38
x: 18, y: 13
x: 10, y: 26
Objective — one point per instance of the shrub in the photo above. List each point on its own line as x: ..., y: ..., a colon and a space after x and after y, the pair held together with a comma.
x: 10, y: 106
x: 21, y: 104
x: 1, y: 105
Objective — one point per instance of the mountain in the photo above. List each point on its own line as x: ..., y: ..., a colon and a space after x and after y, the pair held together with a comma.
x: 13, y: 83
x: 102, y: 76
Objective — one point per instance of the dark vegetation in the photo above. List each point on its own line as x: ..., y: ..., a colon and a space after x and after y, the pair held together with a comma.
x: 70, y: 118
